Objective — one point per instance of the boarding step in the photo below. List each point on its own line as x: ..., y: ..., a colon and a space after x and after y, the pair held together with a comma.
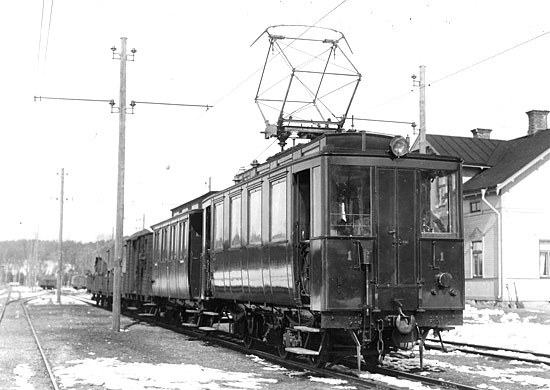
x: 192, y: 311
x: 209, y: 313
x: 149, y: 304
x: 131, y: 308
x: 207, y: 328
x: 307, y: 329
x: 146, y: 314
x: 189, y: 325
x: 302, y: 351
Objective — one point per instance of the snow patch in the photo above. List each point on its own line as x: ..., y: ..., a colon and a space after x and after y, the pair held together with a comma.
x: 112, y: 374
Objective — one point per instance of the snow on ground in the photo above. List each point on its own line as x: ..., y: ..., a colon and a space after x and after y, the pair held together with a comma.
x: 113, y: 374
x: 495, y: 327
x: 482, y: 325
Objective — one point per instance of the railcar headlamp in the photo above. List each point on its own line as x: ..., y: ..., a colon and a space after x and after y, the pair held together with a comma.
x: 399, y: 146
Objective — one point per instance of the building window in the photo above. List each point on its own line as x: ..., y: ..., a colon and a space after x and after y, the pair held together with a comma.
x: 544, y: 256
x: 255, y: 216
x: 218, y: 226
x: 475, y: 206
x: 477, y: 259
x: 278, y: 211
x: 235, y: 226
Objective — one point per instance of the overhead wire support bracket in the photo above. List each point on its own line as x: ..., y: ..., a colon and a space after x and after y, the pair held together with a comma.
x: 353, y: 119
x: 207, y: 106
x: 39, y: 98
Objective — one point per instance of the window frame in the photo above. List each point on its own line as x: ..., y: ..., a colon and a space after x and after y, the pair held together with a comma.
x: 217, y: 225
x: 235, y: 223
x: 257, y: 224
x: 544, y: 264
x: 351, y: 228
x: 452, y: 204
x: 278, y: 209
x: 477, y: 259
x: 475, y: 206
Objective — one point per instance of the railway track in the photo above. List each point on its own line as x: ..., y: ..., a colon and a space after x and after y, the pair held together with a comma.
x: 17, y: 334
x: 347, y: 373
x: 494, y: 352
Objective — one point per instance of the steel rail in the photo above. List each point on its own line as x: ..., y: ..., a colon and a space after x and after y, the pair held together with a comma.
x: 42, y: 353
x: 5, y: 304
x: 418, y: 378
x: 228, y: 341
x: 484, y: 351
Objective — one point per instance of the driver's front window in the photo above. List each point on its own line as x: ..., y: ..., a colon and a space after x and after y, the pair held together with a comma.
x: 439, y: 203
x: 350, y: 201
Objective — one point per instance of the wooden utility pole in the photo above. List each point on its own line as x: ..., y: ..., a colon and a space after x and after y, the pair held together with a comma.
x: 119, y: 235
x: 60, y: 266
x: 422, y: 85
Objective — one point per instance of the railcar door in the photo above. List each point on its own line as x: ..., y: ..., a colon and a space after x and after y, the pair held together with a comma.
x: 396, y: 240
x: 195, y: 251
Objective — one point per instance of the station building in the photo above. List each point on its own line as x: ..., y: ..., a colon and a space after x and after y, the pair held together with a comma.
x: 506, y: 211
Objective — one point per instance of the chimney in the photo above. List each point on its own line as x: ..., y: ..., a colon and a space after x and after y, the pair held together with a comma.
x: 537, y: 121
x: 482, y: 133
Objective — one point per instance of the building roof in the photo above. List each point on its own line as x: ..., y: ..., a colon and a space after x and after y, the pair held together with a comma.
x: 474, y: 151
x: 503, y: 159
x: 510, y: 159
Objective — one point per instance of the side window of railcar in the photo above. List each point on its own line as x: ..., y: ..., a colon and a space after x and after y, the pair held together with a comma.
x: 235, y: 226
x: 182, y: 250
x: 439, y: 203
x: 255, y: 216
x: 277, y: 228
x: 350, y: 201
x: 218, y: 226
x: 158, y: 251
x: 163, y: 243
x: 172, y: 255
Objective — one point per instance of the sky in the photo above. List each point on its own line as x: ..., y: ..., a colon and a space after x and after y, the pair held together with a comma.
x: 486, y: 65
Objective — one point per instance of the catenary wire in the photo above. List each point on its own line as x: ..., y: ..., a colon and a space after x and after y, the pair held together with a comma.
x: 48, y: 35
x: 468, y: 67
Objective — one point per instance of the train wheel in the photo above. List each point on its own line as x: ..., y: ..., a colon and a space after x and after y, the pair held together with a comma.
x: 317, y: 361
x: 319, y: 343
x: 249, y: 331
x: 283, y: 353
x: 248, y: 340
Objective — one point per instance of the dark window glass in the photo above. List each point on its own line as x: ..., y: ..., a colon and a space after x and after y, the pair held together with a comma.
x: 350, y: 201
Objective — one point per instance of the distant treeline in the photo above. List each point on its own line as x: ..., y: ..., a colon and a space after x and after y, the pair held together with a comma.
x: 25, y: 261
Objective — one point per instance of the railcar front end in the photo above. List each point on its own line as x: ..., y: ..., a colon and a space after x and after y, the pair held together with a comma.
x: 340, y: 246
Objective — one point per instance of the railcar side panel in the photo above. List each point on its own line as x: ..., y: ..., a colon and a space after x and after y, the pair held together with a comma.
x: 255, y: 274
x: 441, y: 274
x: 280, y: 271
x: 235, y: 274
x: 344, y: 278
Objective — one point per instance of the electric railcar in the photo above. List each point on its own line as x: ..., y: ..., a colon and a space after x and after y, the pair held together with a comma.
x: 347, y: 245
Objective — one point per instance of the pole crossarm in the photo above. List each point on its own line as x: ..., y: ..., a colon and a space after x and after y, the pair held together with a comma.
x: 39, y: 98
x: 207, y: 106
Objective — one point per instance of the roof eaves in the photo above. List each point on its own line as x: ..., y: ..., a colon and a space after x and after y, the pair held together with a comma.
x: 518, y: 173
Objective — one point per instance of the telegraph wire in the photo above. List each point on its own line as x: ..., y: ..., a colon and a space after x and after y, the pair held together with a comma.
x: 48, y: 35
x: 490, y: 58
x: 41, y: 28
x: 260, y: 68
x: 468, y: 67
